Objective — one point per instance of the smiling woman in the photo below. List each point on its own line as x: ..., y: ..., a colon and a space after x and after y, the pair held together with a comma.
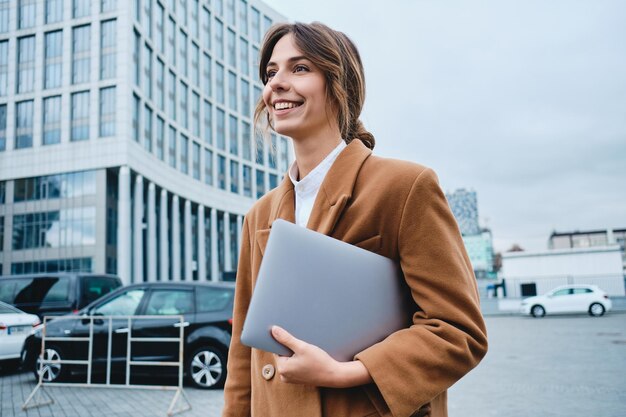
x: 314, y: 93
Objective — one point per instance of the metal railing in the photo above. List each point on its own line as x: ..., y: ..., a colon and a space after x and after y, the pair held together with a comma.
x: 38, y: 394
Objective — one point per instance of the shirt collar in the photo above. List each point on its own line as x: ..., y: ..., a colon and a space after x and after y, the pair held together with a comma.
x: 313, y: 181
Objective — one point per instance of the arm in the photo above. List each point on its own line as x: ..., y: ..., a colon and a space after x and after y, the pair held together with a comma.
x: 237, y: 390
x: 448, y: 336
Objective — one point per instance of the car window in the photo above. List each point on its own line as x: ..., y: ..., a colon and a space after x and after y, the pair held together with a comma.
x: 44, y: 289
x: 7, y: 289
x: 212, y: 299
x: 95, y: 287
x: 7, y: 309
x: 582, y: 291
x: 124, y: 304
x: 565, y: 291
x: 165, y: 302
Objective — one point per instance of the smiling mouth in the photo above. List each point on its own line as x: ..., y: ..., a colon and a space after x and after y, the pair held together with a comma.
x: 283, y: 105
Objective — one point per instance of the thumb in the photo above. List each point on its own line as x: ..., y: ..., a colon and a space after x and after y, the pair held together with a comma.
x: 285, y: 338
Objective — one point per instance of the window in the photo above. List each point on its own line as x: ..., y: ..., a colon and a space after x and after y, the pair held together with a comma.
x: 53, y: 59
x: 195, y: 158
x: 208, y: 123
x: 208, y: 167
x: 5, y: 7
x: 244, y: 64
x: 147, y: 21
x: 24, y: 124
x: 219, y: 82
x: 267, y: 23
x: 160, y: 75
x: 171, y: 147
x: 221, y: 129
x: 245, y: 98
x: 219, y: 7
x: 107, y: 111
x: 219, y: 38
x: 232, y: 53
x: 184, y: 154
x: 108, y: 5
x: 260, y: 183
x: 160, y: 20
x: 171, y: 96
x: 230, y: 12
x: 160, y: 137
x: 195, y: 64
x: 4, y: 67
x: 260, y: 149
x: 271, y: 154
x: 182, y: 49
x: 107, y: 50
x: 273, y: 181
x: 26, y: 64
x: 195, y: 115
x: 247, y: 181
x: 125, y: 304
x: 234, y: 177
x: 26, y: 13
x: 52, y: 120
x: 221, y: 172
x: 255, y: 62
x: 232, y: 90
x: 81, y: 44
x: 169, y: 302
x: 194, y: 18
x: 246, y: 138
x: 284, y: 154
x: 136, y: 110
x: 206, y: 74
x: 211, y: 299
x: 182, y: 11
x: 80, y: 116
x: 255, y: 22
x: 54, y: 11
x: 171, y: 42
x: 243, y: 16
x: 147, y: 129
x: 182, y: 97
x: 147, y: 71
x: 232, y: 135
x: 80, y: 8
x: 3, y: 136
x: 206, y: 28
x: 136, y: 53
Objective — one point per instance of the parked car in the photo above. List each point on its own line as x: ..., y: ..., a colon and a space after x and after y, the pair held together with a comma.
x: 54, y: 294
x: 207, y: 309
x: 15, y: 326
x: 568, y: 299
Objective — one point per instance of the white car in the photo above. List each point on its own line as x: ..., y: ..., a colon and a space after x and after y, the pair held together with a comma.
x: 568, y: 299
x: 15, y: 326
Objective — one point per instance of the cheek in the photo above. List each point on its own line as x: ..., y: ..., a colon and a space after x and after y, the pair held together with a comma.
x: 267, y: 95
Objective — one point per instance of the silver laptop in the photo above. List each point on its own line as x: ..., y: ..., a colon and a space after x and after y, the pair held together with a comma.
x: 326, y: 292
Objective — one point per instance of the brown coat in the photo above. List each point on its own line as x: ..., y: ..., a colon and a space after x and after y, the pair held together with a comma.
x: 396, y: 209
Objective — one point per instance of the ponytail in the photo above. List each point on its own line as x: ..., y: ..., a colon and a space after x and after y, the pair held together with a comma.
x: 358, y: 131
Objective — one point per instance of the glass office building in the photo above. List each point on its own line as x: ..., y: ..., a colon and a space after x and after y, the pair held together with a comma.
x: 126, y: 137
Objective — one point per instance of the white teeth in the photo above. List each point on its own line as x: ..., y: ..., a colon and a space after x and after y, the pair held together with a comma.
x: 285, y: 105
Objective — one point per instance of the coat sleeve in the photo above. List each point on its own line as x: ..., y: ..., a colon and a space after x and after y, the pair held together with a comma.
x: 447, y: 337
x: 238, y: 383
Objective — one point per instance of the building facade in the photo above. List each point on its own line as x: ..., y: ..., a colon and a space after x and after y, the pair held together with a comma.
x: 590, y: 239
x: 464, y: 205
x: 480, y: 251
x: 126, y: 139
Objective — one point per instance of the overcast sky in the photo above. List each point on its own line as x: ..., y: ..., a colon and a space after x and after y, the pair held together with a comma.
x: 522, y: 101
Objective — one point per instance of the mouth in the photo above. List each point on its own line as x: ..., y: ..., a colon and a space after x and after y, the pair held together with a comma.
x: 286, y: 105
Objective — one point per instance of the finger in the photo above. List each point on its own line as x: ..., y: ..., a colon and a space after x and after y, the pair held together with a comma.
x: 285, y: 338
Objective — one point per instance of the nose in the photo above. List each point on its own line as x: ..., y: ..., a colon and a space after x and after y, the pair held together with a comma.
x: 278, y: 82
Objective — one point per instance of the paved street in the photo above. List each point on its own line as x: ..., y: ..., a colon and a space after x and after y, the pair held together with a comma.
x: 555, y: 366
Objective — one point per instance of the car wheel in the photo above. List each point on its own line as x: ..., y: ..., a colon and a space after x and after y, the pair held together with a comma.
x: 538, y: 311
x: 50, y: 372
x: 206, y: 368
x: 596, y: 310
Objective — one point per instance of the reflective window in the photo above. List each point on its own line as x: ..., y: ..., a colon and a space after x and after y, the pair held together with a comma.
x: 246, y: 139
x: 26, y: 13
x: 4, y: 67
x: 147, y: 129
x: 208, y: 123
x: 243, y: 16
x: 260, y: 149
x: 206, y: 75
x: 182, y: 101
x: 195, y: 158
x: 1, y: 228
x: 80, y: 116
x: 267, y: 23
x: 54, y: 11
x: 53, y: 265
x: 80, y: 8
x: 5, y: 8
x: 255, y: 23
x: 218, y: 27
x: 53, y: 59
x: 234, y: 177
x: 230, y: 12
x: 147, y: 71
x: 136, y: 110
x: 212, y: 299
x: 219, y: 82
x: 208, y: 167
x: 181, y: 11
x: 160, y: 138
x: 218, y: 6
x: 195, y: 114
x: 221, y: 129
x: 107, y: 111
x: 284, y: 154
x: 184, y: 154
x: 95, y: 287
x: 24, y: 124
x: 76, y: 184
x: 26, y: 64
x: 160, y: 33
x: 108, y: 5
x: 245, y: 98
x: 193, y: 25
x: 147, y: 21
x: 125, y: 304
x: 271, y: 154
x: 171, y: 95
x: 182, y: 52
x: 247, y: 181
x: 171, y: 147
x: 195, y: 64
x: 170, y: 302
x: 55, y: 229
x: 107, y: 49
x: 232, y: 90
x: 232, y: 53
x: 52, y: 120
x: 171, y: 41
x: 221, y: 172
x: 81, y: 44
x: 260, y: 183
x: 3, y: 134
x: 233, y: 135
x: 273, y: 179
x: 255, y: 63
x: 206, y: 29
x: 244, y: 64
x: 136, y: 52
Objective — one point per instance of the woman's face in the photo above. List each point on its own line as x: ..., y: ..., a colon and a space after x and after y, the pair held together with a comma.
x: 295, y: 93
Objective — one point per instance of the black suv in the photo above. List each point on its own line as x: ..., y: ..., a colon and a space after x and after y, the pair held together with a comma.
x: 207, y: 309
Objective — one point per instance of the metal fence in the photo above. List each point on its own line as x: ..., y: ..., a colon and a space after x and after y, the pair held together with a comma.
x: 40, y: 397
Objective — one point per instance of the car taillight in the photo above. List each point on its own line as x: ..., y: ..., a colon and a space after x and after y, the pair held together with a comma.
x: 4, y: 326
x: 74, y: 311
x: 230, y: 321
x: 36, y: 323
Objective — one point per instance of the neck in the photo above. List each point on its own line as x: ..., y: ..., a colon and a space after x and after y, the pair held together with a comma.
x: 311, y: 151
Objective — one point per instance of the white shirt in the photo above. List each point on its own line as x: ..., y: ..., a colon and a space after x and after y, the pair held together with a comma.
x: 307, y: 188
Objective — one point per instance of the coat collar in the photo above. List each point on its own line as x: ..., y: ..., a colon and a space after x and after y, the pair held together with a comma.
x: 334, y: 193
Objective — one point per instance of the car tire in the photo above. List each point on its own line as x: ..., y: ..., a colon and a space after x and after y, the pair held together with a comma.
x: 206, y: 368
x: 537, y: 311
x: 596, y: 310
x: 52, y: 372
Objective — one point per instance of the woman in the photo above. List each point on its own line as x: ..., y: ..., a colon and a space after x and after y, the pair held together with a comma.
x: 314, y: 93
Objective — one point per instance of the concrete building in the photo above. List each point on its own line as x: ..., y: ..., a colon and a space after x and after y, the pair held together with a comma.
x: 464, y: 205
x: 126, y: 138
x: 589, y: 239
x: 480, y: 251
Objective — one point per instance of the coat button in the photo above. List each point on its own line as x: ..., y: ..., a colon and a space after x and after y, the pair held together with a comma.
x: 268, y: 372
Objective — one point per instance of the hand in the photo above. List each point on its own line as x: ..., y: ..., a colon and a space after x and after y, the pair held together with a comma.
x: 311, y: 365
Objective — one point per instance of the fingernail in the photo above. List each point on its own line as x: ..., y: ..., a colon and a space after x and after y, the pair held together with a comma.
x: 277, y: 330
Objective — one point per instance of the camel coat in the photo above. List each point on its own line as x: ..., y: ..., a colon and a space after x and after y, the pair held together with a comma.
x: 396, y: 209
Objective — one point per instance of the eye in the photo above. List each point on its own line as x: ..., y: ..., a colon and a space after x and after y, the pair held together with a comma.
x: 270, y: 73
x: 300, y: 68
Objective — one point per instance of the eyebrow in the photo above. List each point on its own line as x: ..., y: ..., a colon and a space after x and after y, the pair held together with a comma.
x: 290, y: 60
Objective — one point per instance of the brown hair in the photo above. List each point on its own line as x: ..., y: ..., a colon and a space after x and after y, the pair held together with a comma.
x: 336, y: 55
